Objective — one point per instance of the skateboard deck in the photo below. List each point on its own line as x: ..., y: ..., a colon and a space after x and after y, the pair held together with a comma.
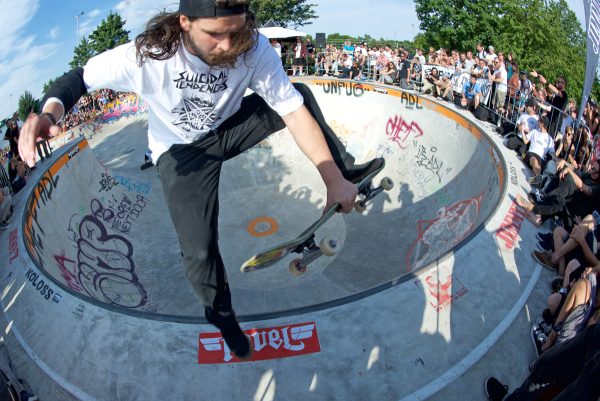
x: 305, y: 242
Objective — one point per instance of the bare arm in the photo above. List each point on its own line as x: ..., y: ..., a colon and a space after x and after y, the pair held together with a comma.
x: 310, y: 140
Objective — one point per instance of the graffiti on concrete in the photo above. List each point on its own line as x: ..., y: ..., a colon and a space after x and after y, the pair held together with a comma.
x: 436, y: 236
x: 399, y: 130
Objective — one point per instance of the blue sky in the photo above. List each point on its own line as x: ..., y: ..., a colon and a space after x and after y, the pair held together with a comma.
x: 37, y: 37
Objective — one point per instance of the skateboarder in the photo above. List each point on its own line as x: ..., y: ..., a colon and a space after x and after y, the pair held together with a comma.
x: 193, y: 67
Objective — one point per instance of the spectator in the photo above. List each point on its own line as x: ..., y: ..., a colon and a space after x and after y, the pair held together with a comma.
x: 576, y: 195
x: 566, y: 147
x: 388, y: 74
x: 569, y: 372
x: 580, y: 245
x: 403, y: 72
x: 491, y: 55
x: 539, y: 143
x: 299, y: 50
x: 471, y: 94
x: 421, y: 56
x: 559, y: 98
x: 12, y: 136
x: 6, y: 208
x: 481, y: 70
x: 469, y: 63
x: 416, y: 71
x: 481, y: 53
x: 277, y: 46
x: 429, y: 85
x: 16, y: 173
x: 500, y: 78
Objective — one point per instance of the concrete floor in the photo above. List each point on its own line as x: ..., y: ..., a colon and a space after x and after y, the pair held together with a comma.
x: 396, y: 318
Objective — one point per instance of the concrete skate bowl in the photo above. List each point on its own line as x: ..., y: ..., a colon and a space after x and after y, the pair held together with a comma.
x: 104, y: 235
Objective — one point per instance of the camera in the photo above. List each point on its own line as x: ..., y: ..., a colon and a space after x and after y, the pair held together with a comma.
x: 539, y: 335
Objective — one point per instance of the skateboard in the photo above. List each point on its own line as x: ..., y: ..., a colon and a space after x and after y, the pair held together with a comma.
x: 305, y: 243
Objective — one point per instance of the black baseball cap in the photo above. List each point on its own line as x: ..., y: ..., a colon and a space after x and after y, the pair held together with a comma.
x: 207, y: 8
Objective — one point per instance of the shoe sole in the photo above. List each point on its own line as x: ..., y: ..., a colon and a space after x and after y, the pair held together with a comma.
x: 549, y: 267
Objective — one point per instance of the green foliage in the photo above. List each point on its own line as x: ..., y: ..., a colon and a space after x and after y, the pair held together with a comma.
x: 81, y: 54
x: 47, y: 86
x: 109, y: 34
x: 543, y: 35
x: 27, y: 104
x: 285, y: 13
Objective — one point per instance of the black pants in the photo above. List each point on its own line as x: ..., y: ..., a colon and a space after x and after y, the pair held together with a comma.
x: 571, y: 367
x: 556, y: 200
x: 190, y: 175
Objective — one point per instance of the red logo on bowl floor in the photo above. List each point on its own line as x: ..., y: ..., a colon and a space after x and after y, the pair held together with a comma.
x: 269, y: 343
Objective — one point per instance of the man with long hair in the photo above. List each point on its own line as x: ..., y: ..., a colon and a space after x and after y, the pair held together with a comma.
x: 193, y: 67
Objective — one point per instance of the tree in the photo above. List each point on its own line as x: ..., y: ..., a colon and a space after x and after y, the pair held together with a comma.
x: 543, y: 35
x: 108, y: 35
x: 47, y: 86
x: 284, y: 13
x: 27, y: 104
x: 82, y: 53
x: 459, y: 24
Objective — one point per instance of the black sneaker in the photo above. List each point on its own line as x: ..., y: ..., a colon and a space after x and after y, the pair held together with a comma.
x: 357, y: 173
x: 544, y: 236
x: 494, y: 390
x: 4, y: 225
x: 546, y: 245
x: 146, y: 165
x: 238, y: 342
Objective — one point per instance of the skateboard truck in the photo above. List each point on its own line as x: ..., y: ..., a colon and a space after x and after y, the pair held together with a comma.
x: 311, y: 252
x: 369, y: 193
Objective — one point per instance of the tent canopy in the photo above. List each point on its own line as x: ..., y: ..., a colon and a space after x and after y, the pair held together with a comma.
x: 277, y: 32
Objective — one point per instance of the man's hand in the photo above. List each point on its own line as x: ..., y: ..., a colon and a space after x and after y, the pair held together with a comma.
x: 343, y: 192
x: 36, y: 126
x: 563, y: 173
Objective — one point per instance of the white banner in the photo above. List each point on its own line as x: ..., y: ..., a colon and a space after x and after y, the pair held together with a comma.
x: 459, y: 80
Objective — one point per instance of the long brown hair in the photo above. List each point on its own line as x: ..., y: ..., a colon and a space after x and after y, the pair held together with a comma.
x: 163, y: 36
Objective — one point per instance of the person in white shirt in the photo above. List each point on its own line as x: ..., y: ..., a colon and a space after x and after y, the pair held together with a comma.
x: 193, y: 68
x: 500, y: 77
x: 540, y: 143
x: 277, y: 46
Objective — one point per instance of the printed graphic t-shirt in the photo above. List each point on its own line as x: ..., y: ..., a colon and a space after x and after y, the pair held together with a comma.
x: 187, y: 97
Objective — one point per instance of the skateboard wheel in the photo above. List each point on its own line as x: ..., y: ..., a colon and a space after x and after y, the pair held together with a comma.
x: 387, y: 183
x: 360, y: 206
x: 297, y: 268
x: 328, y: 246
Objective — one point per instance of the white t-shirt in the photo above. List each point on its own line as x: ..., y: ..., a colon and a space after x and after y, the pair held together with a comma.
x: 277, y: 48
x: 187, y: 97
x: 540, y: 143
x: 503, y: 75
x: 532, y: 122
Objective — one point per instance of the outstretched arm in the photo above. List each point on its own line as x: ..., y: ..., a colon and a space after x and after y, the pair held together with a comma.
x: 310, y: 140
x: 63, y: 95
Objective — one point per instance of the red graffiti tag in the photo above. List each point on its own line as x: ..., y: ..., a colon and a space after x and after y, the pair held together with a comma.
x: 70, y: 277
x: 13, y: 245
x: 398, y: 130
x: 509, y: 230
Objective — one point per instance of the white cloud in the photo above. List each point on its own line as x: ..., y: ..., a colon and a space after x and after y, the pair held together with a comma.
x: 54, y: 32
x: 23, y: 59
x: 137, y: 12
